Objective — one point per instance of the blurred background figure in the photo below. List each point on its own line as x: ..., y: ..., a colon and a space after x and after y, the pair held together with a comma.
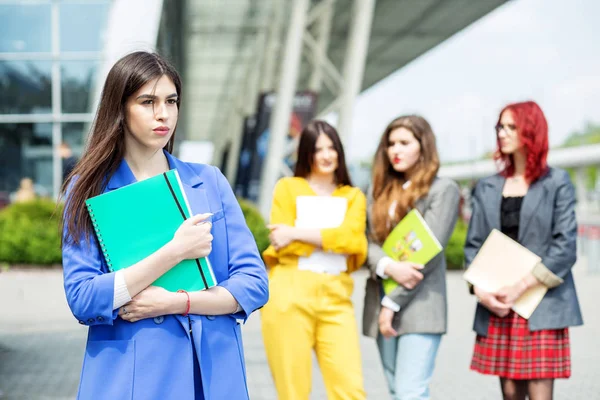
x: 26, y: 191
x: 533, y: 204
x: 68, y: 159
x: 408, y: 322
x: 317, y: 239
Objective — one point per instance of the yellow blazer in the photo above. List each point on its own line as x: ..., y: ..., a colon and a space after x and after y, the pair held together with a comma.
x: 349, y: 238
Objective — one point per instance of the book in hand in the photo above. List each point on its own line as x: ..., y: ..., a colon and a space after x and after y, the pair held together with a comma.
x: 501, y: 262
x: 136, y: 220
x: 411, y: 240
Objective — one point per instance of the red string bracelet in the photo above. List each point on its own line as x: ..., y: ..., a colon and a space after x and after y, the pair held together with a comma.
x: 188, y: 302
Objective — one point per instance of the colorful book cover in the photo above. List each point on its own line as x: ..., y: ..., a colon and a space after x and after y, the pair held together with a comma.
x: 136, y: 220
x: 411, y: 240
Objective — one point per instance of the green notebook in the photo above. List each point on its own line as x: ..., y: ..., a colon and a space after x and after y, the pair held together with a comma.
x: 411, y: 240
x: 134, y: 221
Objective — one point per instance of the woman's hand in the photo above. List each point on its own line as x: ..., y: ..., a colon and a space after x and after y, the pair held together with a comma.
x: 492, y: 302
x: 510, y: 294
x: 405, y: 273
x: 281, y: 235
x: 193, y: 238
x: 386, y: 316
x: 153, y: 302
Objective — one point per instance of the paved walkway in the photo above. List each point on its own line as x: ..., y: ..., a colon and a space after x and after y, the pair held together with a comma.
x: 41, y: 345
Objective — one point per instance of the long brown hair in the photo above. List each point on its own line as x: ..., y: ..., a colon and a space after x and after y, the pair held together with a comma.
x: 106, y: 143
x: 307, y: 149
x: 388, y: 183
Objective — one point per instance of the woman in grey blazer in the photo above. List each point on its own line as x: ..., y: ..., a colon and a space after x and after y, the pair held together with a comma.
x: 534, y: 205
x: 408, y: 323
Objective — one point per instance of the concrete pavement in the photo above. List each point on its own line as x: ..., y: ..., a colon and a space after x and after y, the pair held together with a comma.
x: 41, y: 345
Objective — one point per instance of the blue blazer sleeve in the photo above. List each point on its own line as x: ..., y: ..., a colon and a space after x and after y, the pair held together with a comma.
x: 89, y: 290
x: 247, y: 281
x: 562, y: 252
x: 478, y: 230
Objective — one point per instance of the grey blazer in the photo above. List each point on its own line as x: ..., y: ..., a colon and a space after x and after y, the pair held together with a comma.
x: 422, y: 309
x: 547, y: 227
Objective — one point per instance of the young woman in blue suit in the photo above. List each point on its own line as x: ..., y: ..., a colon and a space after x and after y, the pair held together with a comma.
x: 145, y: 342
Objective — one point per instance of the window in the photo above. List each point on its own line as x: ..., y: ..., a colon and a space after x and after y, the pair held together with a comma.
x: 25, y: 87
x: 26, y: 152
x: 82, y: 26
x: 77, y: 85
x: 25, y: 28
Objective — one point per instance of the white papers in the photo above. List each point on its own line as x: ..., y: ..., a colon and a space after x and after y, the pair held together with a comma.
x: 321, y: 212
x: 502, y: 262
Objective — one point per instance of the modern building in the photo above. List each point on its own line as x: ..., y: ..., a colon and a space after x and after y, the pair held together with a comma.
x: 55, y: 53
x: 50, y: 52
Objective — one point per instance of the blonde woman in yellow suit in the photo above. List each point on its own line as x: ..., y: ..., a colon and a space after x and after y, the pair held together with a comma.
x: 310, y: 303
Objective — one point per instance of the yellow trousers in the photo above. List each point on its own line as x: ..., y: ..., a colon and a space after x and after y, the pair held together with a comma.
x: 309, y: 310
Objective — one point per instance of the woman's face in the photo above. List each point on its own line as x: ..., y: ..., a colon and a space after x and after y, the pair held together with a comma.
x: 326, y: 157
x: 151, y: 113
x: 508, y: 137
x: 404, y: 150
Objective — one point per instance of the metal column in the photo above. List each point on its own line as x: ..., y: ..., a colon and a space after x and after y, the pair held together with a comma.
x: 56, y: 104
x: 272, y: 47
x: 354, y: 63
x: 323, y: 34
x: 280, y: 119
x: 581, y: 189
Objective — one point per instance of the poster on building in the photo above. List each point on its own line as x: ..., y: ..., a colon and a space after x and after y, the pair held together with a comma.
x: 245, y: 157
x: 304, y: 109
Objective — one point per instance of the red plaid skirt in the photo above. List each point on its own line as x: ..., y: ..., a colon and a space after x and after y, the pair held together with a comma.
x: 511, y: 350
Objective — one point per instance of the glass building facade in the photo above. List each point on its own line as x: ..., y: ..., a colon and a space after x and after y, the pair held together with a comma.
x: 50, y: 52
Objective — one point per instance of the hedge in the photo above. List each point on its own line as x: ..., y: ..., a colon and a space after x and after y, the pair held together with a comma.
x: 455, y: 256
x: 30, y: 232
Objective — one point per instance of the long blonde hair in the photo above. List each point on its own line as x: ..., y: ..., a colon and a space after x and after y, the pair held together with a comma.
x: 388, y: 183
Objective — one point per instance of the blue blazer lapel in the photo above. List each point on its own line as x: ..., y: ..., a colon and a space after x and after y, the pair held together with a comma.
x: 186, y: 173
x: 492, y: 200
x: 192, y: 185
x: 532, y: 199
x: 122, y: 177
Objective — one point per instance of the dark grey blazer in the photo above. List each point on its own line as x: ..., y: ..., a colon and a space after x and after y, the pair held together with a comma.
x: 547, y: 227
x: 422, y: 309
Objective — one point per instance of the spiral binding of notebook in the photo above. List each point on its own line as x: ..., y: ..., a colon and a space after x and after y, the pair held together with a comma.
x: 99, y: 236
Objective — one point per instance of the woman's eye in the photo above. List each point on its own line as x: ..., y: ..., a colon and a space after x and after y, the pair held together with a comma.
x: 147, y: 102
x: 172, y: 101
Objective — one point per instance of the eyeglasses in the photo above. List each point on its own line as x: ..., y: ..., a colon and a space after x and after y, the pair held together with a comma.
x: 509, y: 128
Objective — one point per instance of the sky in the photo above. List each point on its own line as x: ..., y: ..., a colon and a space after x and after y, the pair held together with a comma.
x: 542, y: 50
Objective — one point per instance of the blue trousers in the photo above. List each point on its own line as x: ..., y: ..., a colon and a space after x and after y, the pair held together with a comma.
x: 408, y: 361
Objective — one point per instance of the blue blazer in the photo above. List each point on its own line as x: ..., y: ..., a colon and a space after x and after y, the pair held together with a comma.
x: 153, y: 358
x: 547, y: 227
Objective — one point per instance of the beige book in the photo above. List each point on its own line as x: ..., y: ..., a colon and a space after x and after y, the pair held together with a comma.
x: 501, y: 262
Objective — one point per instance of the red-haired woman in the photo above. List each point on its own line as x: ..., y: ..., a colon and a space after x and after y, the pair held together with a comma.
x: 535, y: 205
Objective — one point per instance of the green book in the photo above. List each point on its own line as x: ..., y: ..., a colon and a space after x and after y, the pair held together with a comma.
x: 411, y: 240
x: 136, y: 220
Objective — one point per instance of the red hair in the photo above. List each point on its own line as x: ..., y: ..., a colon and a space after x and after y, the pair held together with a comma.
x: 532, y: 129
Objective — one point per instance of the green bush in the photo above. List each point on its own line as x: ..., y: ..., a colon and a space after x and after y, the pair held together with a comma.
x: 256, y: 223
x: 455, y: 256
x: 30, y: 233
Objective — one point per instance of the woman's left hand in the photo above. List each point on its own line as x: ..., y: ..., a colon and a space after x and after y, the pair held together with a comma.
x: 281, y: 235
x: 509, y: 294
x: 386, y: 317
x: 149, y: 303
